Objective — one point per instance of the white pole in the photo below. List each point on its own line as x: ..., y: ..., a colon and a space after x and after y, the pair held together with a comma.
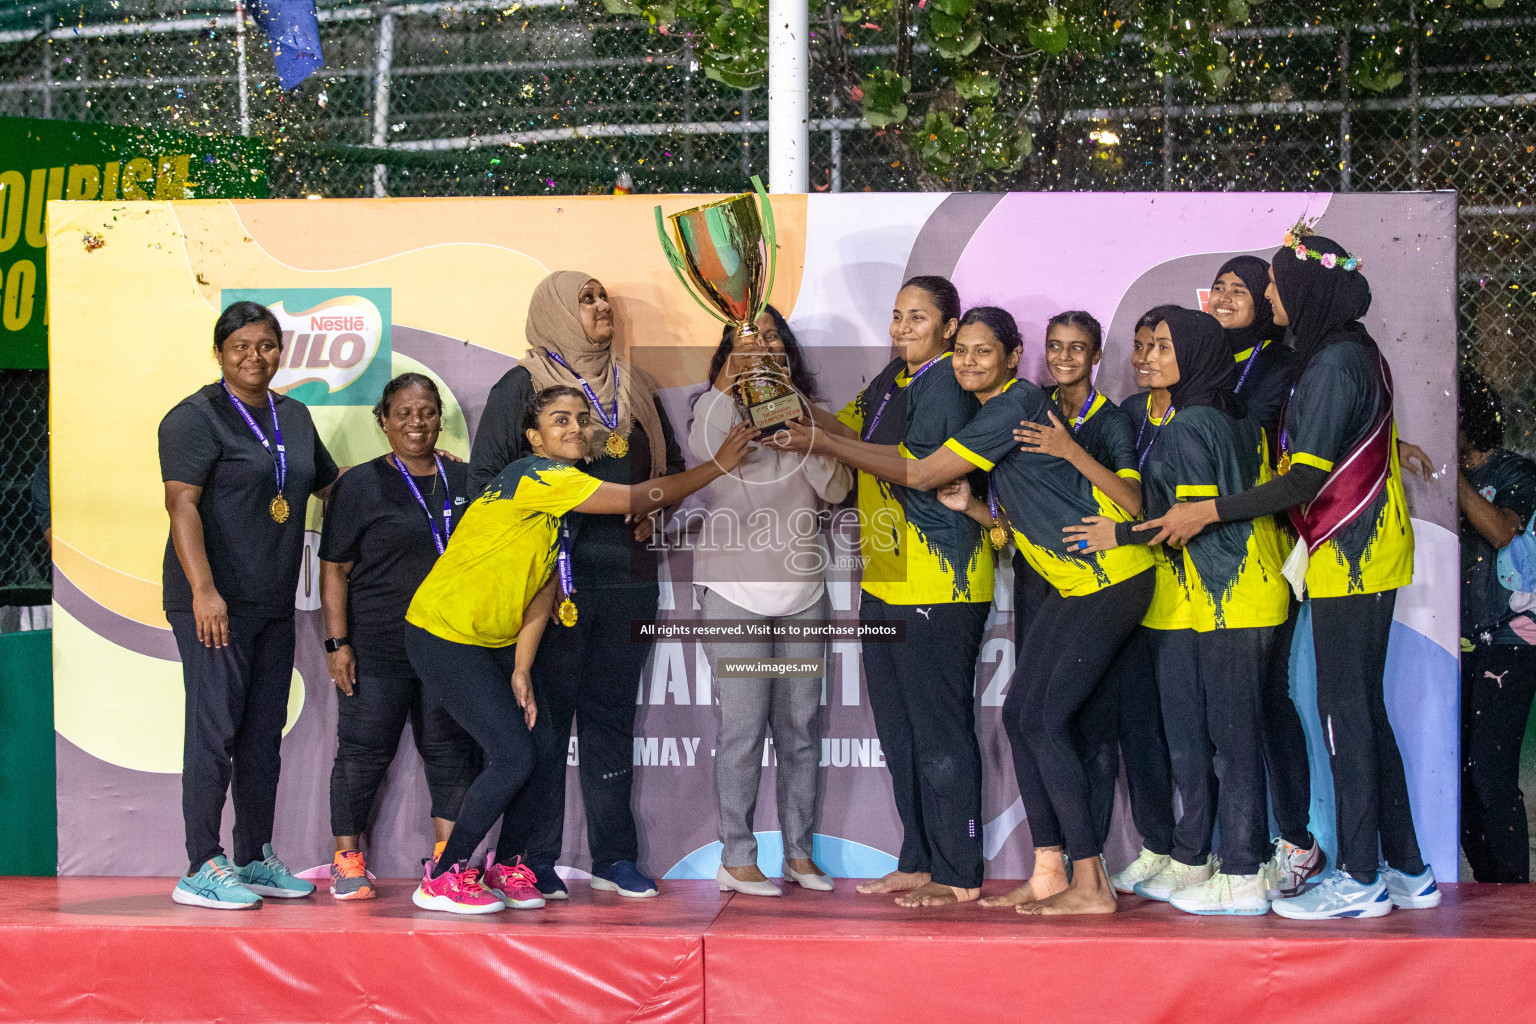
x: 788, y: 70
x: 384, y: 68
x: 245, y: 105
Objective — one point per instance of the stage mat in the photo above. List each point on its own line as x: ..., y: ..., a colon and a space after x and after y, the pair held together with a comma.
x: 78, y: 949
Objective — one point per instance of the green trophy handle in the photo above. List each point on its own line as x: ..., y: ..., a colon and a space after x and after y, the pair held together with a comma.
x: 770, y: 234
x: 675, y: 258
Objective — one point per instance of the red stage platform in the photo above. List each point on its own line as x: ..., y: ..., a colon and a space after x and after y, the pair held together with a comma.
x: 114, y: 950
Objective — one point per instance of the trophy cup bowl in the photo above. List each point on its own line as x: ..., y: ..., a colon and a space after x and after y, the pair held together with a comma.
x: 723, y: 253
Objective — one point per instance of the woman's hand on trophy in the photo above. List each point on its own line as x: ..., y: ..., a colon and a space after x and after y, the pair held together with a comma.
x: 735, y: 446
x: 796, y: 435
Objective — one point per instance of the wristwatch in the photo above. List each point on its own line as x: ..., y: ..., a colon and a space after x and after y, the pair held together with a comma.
x: 336, y: 643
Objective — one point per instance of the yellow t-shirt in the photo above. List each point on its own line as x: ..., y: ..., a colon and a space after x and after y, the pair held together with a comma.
x: 501, y: 553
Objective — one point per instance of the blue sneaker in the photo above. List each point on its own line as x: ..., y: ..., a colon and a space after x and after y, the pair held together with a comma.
x: 1337, y: 895
x: 623, y: 878
x: 215, y: 886
x: 1411, y: 892
x: 549, y: 882
x: 271, y: 877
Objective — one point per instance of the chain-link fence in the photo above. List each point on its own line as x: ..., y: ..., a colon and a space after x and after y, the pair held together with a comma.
x: 24, y: 570
x: 545, y: 96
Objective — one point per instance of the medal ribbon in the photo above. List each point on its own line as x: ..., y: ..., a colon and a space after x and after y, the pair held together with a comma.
x: 1141, y: 459
x: 1247, y: 366
x: 992, y: 504
x: 440, y: 541
x: 869, y: 431
x: 1082, y: 414
x: 611, y: 422
x: 280, y: 456
x: 563, y: 561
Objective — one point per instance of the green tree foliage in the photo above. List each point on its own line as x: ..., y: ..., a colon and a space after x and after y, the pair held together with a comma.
x: 990, y: 66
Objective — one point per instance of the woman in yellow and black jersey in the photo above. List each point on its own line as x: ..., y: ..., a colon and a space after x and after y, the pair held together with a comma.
x: 1208, y: 447
x: 1091, y: 433
x: 930, y: 568
x: 1061, y: 664
x: 1341, y: 484
x: 474, y: 624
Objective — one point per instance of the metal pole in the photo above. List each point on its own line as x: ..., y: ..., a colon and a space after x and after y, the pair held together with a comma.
x: 1345, y: 167
x: 245, y: 103
x: 1167, y: 133
x: 47, y: 66
x: 788, y: 69
x: 688, y: 105
x: 383, y: 64
x: 746, y: 136
x: 1415, y: 146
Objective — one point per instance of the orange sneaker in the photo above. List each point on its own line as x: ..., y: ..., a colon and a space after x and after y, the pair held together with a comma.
x: 349, y: 876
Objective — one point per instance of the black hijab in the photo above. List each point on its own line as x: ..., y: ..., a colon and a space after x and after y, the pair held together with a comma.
x: 1207, y: 374
x: 1254, y: 273
x: 1324, y: 304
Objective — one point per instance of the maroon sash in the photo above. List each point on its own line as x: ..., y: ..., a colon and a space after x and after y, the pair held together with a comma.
x: 1355, y: 481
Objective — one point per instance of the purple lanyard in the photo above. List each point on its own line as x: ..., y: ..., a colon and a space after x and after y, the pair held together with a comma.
x: 563, y: 561
x: 992, y: 503
x: 1082, y: 414
x: 1141, y: 459
x: 280, y: 456
x: 611, y: 422
x: 440, y: 541
x: 1247, y: 366
x: 874, y: 422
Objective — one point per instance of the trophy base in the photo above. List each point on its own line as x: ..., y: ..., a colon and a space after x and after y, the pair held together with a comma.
x: 768, y: 416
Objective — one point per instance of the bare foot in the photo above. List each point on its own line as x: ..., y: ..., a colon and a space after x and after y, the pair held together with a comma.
x: 749, y: 873
x: 896, y: 881
x: 1089, y: 893
x: 935, y: 895
x: 1037, y: 888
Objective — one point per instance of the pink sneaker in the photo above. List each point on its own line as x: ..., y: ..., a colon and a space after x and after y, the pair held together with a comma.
x: 457, y: 890
x: 514, y: 883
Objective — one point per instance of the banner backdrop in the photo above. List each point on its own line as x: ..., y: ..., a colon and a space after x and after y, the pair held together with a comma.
x: 371, y: 288
x: 43, y: 160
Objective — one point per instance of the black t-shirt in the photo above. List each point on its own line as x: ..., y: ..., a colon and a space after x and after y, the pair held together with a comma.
x: 604, y: 552
x: 255, y: 561
x: 374, y: 522
x: 1266, y: 388
x: 1508, y: 481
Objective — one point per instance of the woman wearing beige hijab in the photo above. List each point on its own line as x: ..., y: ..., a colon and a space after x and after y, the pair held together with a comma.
x: 591, y: 668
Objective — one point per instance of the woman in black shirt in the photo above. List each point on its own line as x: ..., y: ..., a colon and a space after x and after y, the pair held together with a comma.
x: 386, y: 523
x: 240, y: 463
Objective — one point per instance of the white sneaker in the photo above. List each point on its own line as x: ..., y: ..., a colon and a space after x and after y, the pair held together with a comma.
x: 1290, y: 868
x: 1142, y: 868
x: 1337, y: 895
x: 1174, y: 876
x: 1411, y: 892
x: 1241, y: 895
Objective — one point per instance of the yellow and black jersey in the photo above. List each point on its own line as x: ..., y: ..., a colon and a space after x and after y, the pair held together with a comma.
x: 916, y: 551
x: 1231, y: 571
x: 500, y: 554
x: 1042, y: 495
x: 1335, y: 403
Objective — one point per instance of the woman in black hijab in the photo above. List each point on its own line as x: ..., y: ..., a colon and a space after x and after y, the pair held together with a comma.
x: 1342, y: 485
x: 1231, y: 571
x: 1266, y: 368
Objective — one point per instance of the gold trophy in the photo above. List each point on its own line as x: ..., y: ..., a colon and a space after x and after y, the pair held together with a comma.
x: 724, y: 254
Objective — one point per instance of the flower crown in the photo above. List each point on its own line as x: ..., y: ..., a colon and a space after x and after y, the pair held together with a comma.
x: 1292, y: 240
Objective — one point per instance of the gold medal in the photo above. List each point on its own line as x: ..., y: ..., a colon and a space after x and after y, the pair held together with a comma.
x: 1285, y: 464
x: 279, y: 509
x: 999, y: 536
x: 617, y: 446
x: 566, y: 613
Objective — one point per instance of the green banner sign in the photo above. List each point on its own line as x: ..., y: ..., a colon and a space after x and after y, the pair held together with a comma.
x: 43, y: 160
